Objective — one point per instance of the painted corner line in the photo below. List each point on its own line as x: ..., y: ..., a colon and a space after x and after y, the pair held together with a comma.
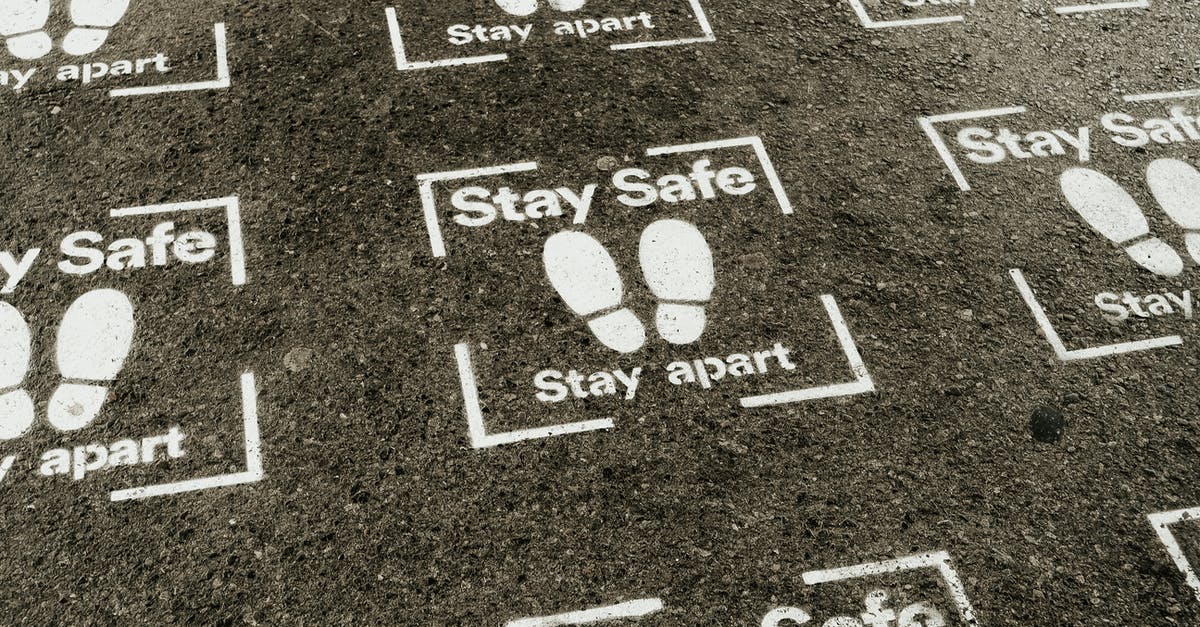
x: 939, y: 144
x: 1102, y: 6
x: 400, y: 55
x: 862, y: 383
x: 1185, y: 94
x: 864, y: 18
x: 1162, y: 522
x: 707, y: 34
x: 1056, y: 343
x: 433, y: 226
x: 250, y: 440
x: 477, y: 429
x: 222, y: 81
x: 939, y: 560
x: 629, y: 609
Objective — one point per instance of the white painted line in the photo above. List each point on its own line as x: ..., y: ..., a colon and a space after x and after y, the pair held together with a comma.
x: 862, y: 383
x: 874, y: 569
x: 429, y: 204
x: 222, y: 81
x: 250, y: 439
x: 6, y: 465
x: 1163, y: 95
x: 938, y: 559
x: 629, y: 609
x: 237, y: 248
x: 939, y: 144
x: 1060, y: 349
x: 403, y: 64
x: 233, y: 217
x: 1162, y: 522
x: 867, y: 21
x: 754, y: 142
x: 480, y: 438
x: 701, y: 19
x: 1106, y: 6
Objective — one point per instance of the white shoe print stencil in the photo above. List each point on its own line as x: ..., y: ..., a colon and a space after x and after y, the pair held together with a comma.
x: 528, y: 7
x: 92, y: 19
x: 1176, y: 187
x: 586, y: 278
x: 93, y: 341
x: 1111, y: 211
x: 22, y: 23
x: 678, y: 267
x: 16, y: 407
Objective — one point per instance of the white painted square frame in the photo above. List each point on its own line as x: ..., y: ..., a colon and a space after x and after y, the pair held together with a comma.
x: 939, y: 560
x: 250, y: 436
x: 249, y: 393
x: 477, y: 429
x: 403, y: 64
x: 222, y: 81
x: 1052, y: 337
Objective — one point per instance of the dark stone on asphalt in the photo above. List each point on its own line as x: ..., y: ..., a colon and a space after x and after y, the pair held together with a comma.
x: 1047, y: 424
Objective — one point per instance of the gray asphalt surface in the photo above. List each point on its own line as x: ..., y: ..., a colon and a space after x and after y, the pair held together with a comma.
x: 961, y: 433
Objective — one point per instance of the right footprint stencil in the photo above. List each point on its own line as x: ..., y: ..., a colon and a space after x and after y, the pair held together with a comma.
x: 677, y: 265
x: 1111, y: 211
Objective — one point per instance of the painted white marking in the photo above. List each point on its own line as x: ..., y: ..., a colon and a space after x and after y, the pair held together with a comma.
x: 862, y: 383
x: 1162, y: 522
x: 585, y: 276
x: 865, y: 18
x: 1060, y: 349
x: 94, y: 339
x: 403, y: 64
x: 1163, y: 95
x: 754, y: 142
x: 701, y: 20
x: 23, y: 23
x: 480, y: 438
x: 6, y: 465
x: 222, y: 81
x: 677, y: 266
x: 1104, y: 6
x: 233, y: 216
x: 429, y: 203
x: 628, y: 609
x: 938, y: 559
x: 1109, y: 209
x: 250, y: 440
x: 927, y: 124
x: 92, y: 21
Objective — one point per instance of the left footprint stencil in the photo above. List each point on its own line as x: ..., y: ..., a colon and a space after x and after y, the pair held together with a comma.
x: 21, y: 24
